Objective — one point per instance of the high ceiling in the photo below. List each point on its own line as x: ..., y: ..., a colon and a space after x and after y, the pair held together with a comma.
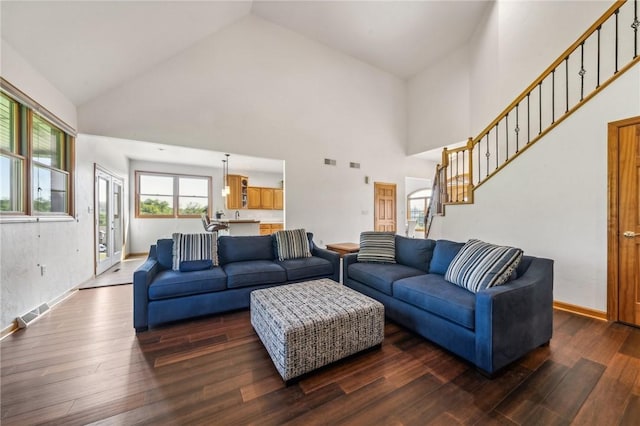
x: 85, y: 48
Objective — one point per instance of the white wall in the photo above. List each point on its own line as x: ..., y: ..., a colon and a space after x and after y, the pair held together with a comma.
x: 517, y: 41
x: 258, y: 89
x: 438, y: 99
x: 17, y: 71
x: 552, y: 201
x: 26, y: 246
x: 144, y: 232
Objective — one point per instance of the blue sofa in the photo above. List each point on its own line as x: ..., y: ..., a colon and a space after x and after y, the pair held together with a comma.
x: 161, y: 294
x: 490, y: 329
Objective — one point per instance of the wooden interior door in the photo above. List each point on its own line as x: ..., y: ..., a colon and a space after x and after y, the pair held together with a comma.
x: 384, y: 218
x: 624, y: 146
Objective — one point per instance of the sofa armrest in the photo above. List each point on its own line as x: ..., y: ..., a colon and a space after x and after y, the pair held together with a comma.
x: 514, y: 318
x: 142, y: 277
x: 348, y: 259
x: 332, y: 257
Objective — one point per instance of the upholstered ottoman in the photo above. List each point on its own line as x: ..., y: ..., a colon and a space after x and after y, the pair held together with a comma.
x: 308, y: 325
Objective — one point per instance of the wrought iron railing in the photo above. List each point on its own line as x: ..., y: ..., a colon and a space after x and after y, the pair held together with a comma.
x: 603, y: 53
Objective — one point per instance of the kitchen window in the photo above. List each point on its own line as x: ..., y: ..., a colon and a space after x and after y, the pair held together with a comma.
x: 162, y: 195
x: 35, y: 163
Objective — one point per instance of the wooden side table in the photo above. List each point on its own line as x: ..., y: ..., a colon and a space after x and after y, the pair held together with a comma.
x: 344, y: 248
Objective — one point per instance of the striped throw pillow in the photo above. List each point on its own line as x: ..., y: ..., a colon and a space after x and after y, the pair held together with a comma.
x: 292, y: 244
x: 378, y: 247
x: 479, y: 265
x: 192, y: 252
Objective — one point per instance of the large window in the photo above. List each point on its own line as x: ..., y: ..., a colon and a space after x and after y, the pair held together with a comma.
x: 35, y: 163
x: 417, y: 204
x: 168, y: 195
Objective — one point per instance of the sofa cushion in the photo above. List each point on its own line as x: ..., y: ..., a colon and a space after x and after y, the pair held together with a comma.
x: 378, y: 247
x: 292, y: 244
x: 240, y: 249
x: 253, y: 272
x: 414, y: 252
x: 168, y: 284
x: 381, y: 276
x: 479, y: 265
x: 443, y: 254
x: 164, y: 252
x: 434, y: 294
x: 194, y: 252
x: 309, y: 267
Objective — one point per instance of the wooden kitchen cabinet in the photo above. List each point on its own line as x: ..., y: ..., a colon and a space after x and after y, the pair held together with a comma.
x: 270, y: 228
x: 238, y: 195
x: 266, y: 198
x: 253, y: 195
x: 278, y: 199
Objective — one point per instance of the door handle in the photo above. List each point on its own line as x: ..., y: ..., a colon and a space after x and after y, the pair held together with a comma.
x: 630, y: 234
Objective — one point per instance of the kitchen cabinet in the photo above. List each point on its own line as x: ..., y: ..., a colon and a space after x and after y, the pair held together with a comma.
x: 254, y: 198
x: 270, y: 228
x: 278, y: 199
x: 238, y: 195
x: 265, y: 198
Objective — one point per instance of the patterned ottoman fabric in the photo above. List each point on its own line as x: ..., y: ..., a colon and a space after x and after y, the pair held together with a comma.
x: 311, y: 324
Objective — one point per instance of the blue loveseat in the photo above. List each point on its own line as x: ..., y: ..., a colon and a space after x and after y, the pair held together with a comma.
x: 490, y: 329
x: 161, y: 294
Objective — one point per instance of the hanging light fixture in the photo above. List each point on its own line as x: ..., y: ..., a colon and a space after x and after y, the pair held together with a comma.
x: 227, y: 190
x: 224, y: 178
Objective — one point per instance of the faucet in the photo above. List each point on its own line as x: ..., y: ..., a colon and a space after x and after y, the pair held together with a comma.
x: 237, y: 214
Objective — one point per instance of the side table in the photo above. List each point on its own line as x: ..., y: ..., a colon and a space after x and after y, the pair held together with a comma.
x: 344, y: 248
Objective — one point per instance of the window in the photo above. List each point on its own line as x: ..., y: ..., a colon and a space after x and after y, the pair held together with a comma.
x: 33, y: 152
x: 165, y: 195
x: 417, y: 204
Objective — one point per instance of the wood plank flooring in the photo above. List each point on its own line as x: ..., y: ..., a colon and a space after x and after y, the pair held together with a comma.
x: 82, y: 363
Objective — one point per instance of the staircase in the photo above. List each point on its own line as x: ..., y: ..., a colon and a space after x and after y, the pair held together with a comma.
x: 602, y: 54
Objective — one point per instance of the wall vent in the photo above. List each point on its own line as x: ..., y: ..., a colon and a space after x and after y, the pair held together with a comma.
x: 27, y: 319
x: 354, y: 165
x: 329, y: 162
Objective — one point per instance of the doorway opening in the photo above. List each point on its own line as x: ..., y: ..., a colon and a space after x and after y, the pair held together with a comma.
x: 108, y: 219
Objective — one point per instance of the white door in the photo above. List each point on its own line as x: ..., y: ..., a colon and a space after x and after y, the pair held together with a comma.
x: 109, y: 193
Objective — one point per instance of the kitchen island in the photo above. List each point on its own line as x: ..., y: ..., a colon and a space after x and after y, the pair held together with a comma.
x: 240, y: 227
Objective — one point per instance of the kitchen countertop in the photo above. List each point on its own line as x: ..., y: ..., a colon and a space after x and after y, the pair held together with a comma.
x: 238, y: 220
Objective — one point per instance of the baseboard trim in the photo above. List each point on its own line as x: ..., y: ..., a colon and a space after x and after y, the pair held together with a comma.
x: 9, y: 330
x: 141, y: 254
x: 579, y: 310
x: 13, y: 327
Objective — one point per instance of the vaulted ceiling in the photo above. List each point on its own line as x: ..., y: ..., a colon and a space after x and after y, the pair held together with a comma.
x: 85, y: 48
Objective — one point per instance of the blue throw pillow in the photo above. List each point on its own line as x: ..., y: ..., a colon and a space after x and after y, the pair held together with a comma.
x: 414, y: 252
x: 164, y: 252
x: 443, y: 254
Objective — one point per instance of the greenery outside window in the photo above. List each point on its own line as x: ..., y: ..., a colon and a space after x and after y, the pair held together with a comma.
x: 417, y: 204
x: 35, y: 163
x: 161, y: 195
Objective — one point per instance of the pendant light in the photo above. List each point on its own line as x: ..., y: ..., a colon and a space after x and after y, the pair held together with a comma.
x: 227, y: 190
x: 224, y: 179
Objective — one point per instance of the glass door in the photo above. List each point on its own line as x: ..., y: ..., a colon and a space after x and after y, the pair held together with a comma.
x: 108, y: 219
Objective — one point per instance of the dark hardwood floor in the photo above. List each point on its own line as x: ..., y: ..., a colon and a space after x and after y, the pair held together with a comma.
x: 82, y: 363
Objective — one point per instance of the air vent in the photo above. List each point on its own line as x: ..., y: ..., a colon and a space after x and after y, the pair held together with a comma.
x: 329, y: 162
x: 25, y: 320
x: 354, y: 165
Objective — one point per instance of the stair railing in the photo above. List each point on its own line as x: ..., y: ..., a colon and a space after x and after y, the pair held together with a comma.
x: 603, y: 53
